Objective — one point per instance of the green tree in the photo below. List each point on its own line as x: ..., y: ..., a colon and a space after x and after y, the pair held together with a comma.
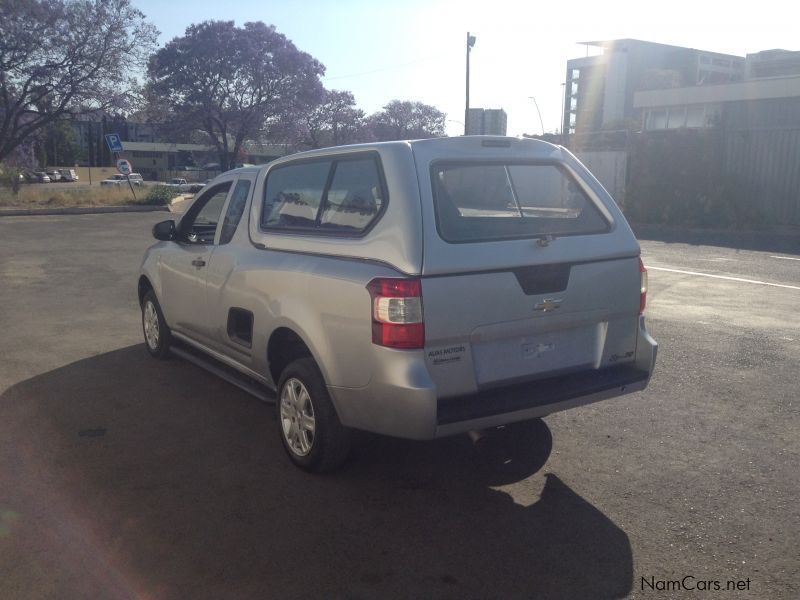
x: 60, y: 145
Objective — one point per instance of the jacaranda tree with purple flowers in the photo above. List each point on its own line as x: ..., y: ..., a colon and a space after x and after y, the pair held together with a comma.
x: 234, y: 83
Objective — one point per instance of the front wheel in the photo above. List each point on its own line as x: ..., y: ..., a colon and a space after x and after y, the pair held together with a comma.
x: 309, y: 427
x: 157, y: 337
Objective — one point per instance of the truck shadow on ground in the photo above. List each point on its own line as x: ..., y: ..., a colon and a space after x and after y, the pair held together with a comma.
x: 130, y: 478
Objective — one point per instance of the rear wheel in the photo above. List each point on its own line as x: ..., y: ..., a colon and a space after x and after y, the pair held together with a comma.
x: 157, y: 336
x: 309, y: 427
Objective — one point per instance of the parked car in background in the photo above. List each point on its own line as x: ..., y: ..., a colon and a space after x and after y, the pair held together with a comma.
x: 68, y: 175
x: 54, y: 175
x: 119, y: 179
x: 37, y: 177
x: 179, y: 184
x: 415, y: 289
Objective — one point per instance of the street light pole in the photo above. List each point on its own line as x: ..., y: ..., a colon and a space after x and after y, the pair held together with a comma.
x: 470, y: 44
x: 454, y: 121
x: 536, y: 104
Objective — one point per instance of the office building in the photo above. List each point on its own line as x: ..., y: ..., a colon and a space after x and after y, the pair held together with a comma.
x: 487, y: 121
x: 599, y: 91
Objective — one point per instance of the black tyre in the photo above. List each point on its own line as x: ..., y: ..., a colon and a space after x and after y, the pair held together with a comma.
x: 157, y: 336
x: 308, y: 425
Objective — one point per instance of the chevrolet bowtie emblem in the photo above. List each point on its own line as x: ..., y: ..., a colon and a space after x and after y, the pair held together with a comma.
x: 548, y: 304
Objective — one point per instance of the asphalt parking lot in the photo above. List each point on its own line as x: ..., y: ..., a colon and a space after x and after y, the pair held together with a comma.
x: 124, y: 477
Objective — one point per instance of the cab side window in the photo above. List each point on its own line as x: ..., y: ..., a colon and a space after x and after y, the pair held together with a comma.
x: 199, y: 224
x: 235, y: 210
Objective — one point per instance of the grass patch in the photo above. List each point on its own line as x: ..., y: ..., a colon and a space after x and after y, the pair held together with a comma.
x: 49, y: 196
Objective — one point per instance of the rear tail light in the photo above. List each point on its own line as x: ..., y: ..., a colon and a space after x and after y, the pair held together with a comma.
x: 643, y: 290
x: 397, y: 313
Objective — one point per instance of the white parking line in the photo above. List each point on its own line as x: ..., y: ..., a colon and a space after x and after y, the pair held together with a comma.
x: 785, y: 257
x: 740, y: 279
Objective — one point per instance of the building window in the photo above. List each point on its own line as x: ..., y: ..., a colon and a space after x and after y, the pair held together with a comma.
x: 656, y: 119
x: 696, y: 117
x: 676, y: 118
x: 692, y: 117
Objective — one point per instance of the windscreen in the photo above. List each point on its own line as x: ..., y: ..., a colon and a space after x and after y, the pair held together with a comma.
x: 495, y: 201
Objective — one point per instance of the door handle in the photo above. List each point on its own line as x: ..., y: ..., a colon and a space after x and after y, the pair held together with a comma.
x: 198, y: 262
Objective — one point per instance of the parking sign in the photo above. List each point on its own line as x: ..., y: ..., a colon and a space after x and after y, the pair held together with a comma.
x: 114, y: 142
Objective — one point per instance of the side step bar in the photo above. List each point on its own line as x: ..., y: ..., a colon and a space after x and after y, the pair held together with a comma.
x: 225, y: 372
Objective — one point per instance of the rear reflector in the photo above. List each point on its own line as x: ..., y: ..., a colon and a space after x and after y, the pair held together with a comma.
x: 397, y: 313
x: 643, y: 287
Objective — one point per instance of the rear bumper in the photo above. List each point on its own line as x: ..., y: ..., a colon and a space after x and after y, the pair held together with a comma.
x: 401, y: 400
x: 535, y: 399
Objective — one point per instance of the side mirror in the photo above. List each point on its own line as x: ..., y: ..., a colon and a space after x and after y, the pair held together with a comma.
x: 164, y: 231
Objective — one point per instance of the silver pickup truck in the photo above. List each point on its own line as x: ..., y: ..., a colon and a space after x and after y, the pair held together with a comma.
x: 415, y: 289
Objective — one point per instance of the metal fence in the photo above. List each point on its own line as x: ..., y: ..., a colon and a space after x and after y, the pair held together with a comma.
x: 766, y: 162
x: 759, y: 159
x: 611, y: 168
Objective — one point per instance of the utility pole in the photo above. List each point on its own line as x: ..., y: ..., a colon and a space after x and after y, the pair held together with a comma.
x: 470, y: 44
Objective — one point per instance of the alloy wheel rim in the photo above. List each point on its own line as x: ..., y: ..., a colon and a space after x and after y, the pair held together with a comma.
x: 150, y: 321
x: 298, y: 423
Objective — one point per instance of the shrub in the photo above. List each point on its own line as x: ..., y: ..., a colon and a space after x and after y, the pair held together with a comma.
x: 160, y: 195
x: 9, y: 177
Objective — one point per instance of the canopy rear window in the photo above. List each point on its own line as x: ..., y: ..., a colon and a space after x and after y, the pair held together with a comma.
x: 478, y: 202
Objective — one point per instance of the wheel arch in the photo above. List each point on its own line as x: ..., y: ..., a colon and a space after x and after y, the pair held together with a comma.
x: 284, y: 346
x: 143, y: 287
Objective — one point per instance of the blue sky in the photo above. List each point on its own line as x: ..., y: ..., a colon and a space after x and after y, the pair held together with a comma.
x: 413, y: 49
